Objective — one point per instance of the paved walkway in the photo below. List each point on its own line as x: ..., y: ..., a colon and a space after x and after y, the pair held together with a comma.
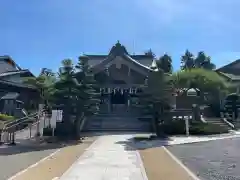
x: 108, y: 158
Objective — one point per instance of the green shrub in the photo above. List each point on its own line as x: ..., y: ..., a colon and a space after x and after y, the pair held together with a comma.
x: 177, y: 127
x: 5, y: 117
x: 207, y: 129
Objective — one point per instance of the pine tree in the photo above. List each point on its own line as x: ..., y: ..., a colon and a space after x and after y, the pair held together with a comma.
x: 88, y: 96
x: 156, y: 97
x: 187, y: 61
x: 44, y: 83
x: 64, y: 94
x: 204, y: 61
x: 165, y: 63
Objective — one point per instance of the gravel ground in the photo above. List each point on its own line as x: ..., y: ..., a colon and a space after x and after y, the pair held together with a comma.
x: 214, y: 160
x: 16, y: 158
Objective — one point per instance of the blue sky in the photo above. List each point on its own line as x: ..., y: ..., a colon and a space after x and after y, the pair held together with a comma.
x: 40, y: 33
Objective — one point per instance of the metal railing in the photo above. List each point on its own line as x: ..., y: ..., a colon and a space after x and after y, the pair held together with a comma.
x: 10, y: 130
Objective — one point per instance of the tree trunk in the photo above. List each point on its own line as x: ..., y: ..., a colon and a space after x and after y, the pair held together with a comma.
x: 159, y: 130
x: 77, y: 125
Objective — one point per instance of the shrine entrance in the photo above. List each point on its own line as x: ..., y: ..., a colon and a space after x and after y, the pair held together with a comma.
x: 118, y: 97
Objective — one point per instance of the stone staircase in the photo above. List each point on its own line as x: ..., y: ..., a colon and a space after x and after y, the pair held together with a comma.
x: 218, y: 121
x: 116, y: 122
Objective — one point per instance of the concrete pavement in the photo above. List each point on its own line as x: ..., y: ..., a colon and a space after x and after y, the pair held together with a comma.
x: 17, y: 158
x: 108, y: 158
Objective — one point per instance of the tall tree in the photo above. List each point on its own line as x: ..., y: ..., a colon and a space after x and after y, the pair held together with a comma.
x: 204, y: 61
x: 65, y: 93
x: 47, y: 72
x: 187, y: 61
x: 165, y: 63
x: 156, y: 96
x: 88, y: 96
x: 43, y: 83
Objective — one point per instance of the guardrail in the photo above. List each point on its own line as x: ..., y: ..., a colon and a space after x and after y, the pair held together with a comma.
x: 9, y: 130
x: 226, y: 121
x: 19, y: 121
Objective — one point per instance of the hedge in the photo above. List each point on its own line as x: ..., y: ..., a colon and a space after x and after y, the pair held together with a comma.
x: 177, y: 127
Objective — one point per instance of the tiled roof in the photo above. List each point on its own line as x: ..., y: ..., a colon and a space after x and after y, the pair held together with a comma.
x: 6, y: 57
x: 230, y: 76
x: 101, y: 57
x: 10, y: 95
x: 21, y: 85
x: 230, y: 64
x: 125, y: 56
x: 9, y: 73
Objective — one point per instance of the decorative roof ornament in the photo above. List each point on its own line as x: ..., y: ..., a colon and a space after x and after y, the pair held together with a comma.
x: 118, y: 49
x: 154, y: 66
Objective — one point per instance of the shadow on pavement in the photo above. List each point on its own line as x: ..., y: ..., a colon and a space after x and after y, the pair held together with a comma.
x: 141, y: 143
x: 96, y: 134
x: 25, y: 146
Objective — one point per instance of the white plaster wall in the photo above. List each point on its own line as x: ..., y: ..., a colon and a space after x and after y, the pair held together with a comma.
x: 4, y: 67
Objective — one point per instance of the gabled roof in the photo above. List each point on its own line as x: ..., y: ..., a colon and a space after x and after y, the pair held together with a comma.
x: 231, y: 77
x: 120, y: 50
x: 232, y: 64
x: 10, y: 96
x: 9, y: 73
x: 9, y: 59
x: 21, y: 85
x: 138, y: 57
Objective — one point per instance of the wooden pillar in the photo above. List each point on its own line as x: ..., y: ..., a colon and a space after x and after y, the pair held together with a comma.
x: 109, y: 100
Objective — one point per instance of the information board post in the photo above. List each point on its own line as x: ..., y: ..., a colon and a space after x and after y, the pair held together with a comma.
x: 53, y: 121
x: 187, y: 125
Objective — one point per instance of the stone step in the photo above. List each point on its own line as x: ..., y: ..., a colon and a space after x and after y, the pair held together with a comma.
x: 217, y: 122
x: 116, y: 130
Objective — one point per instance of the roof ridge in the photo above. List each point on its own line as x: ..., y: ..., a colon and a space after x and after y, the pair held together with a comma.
x: 229, y: 64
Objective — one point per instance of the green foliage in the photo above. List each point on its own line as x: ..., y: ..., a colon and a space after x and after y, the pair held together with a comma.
x: 44, y: 83
x: 5, y: 117
x: 156, y: 93
x: 207, y: 129
x: 89, y: 98
x: 187, y: 61
x: 165, y: 63
x: 156, y: 96
x: 204, y: 61
x: 201, y: 61
x: 64, y: 90
x: 177, y: 127
x: 202, y: 79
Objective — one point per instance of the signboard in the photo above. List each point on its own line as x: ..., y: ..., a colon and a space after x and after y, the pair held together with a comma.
x: 53, y: 120
x: 59, y: 115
